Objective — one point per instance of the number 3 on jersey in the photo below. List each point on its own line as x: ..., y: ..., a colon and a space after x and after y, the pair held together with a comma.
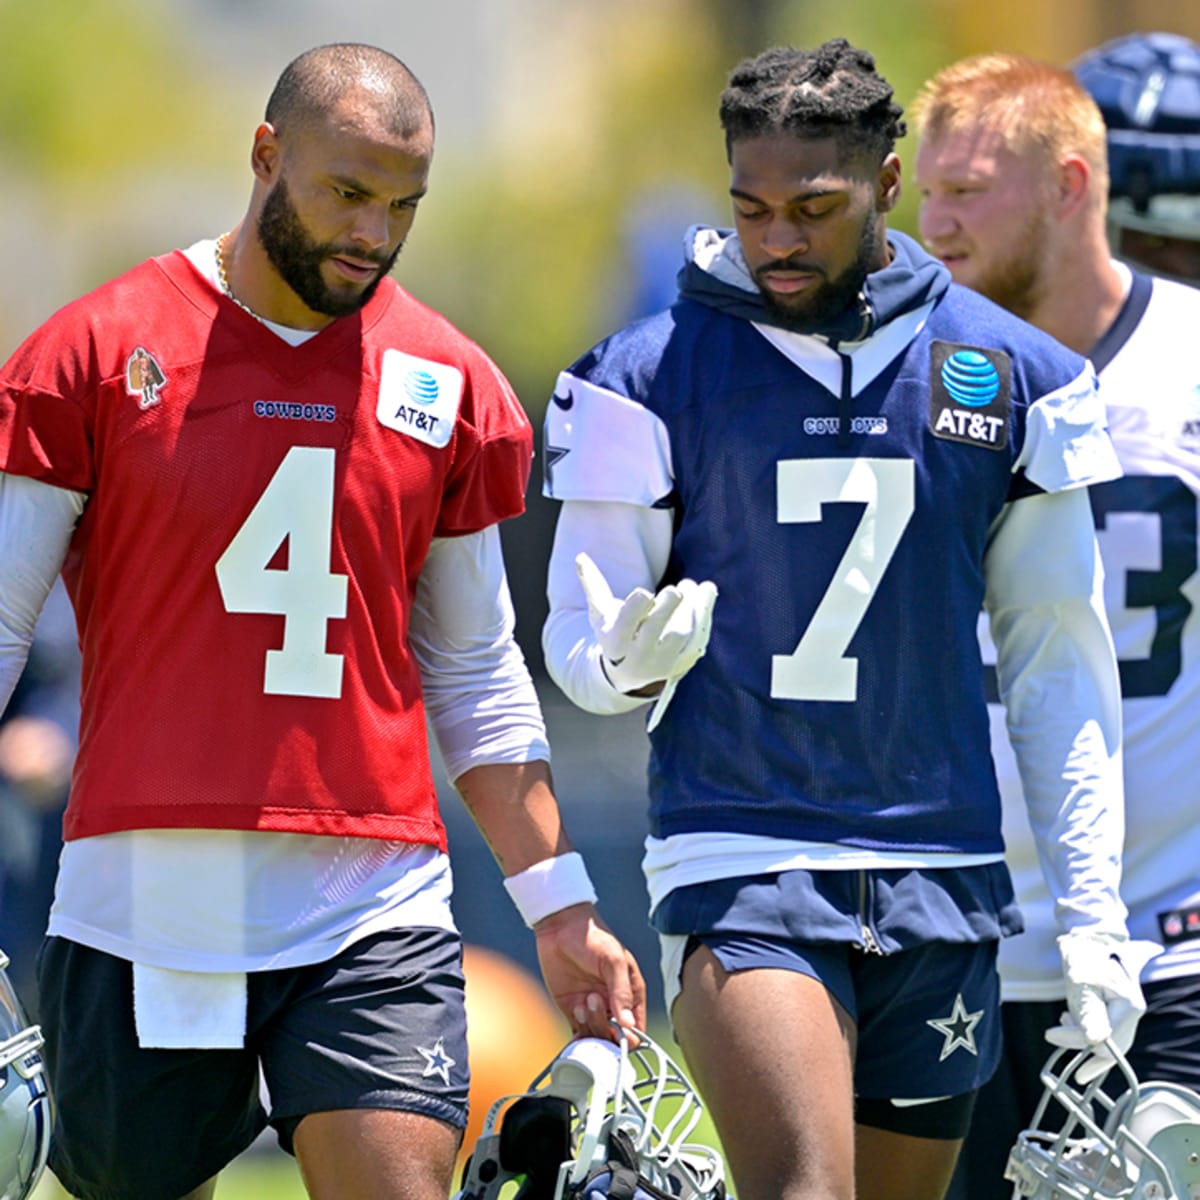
x: 296, y: 507
x: 819, y: 669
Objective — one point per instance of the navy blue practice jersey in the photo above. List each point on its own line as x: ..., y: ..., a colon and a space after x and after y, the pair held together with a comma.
x: 842, y: 502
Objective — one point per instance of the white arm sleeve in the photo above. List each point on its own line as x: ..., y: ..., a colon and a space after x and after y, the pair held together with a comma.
x: 36, y: 524
x: 479, y: 695
x: 1066, y: 438
x: 630, y: 543
x: 1059, y: 682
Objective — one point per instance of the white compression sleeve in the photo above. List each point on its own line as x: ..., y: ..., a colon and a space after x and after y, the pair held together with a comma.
x: 36, y: 523
x: 1059, y: 682
x: 479, y: 695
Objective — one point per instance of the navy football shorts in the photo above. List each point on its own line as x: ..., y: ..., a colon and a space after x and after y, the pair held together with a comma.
x: 382, y: 1025
x: 927, y: 1022
x: 927, y: 1010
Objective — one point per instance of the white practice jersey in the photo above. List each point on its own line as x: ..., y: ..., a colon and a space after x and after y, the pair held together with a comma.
x: 1147, y: 529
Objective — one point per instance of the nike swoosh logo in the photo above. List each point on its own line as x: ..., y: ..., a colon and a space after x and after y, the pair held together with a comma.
x: 563, y: 402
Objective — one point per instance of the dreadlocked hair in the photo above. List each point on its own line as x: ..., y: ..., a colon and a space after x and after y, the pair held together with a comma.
x: 832, y: 91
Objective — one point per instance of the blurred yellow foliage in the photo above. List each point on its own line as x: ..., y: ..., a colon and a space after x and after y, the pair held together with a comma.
x: 96, y: 88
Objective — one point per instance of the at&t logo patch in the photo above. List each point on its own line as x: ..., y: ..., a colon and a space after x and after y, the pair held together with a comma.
x: 970, y: 395
x: 419, y: 397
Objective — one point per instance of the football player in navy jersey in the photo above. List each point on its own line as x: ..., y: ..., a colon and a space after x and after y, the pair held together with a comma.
x: 784, y: 502
x: 1022, y: 165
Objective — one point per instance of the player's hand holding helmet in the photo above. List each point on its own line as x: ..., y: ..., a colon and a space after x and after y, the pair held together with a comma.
x: 602, y: 1120
x: 1083, y: 1144
x: 647, y: 639
x: 25, y: 1109
x: 1104, y: 997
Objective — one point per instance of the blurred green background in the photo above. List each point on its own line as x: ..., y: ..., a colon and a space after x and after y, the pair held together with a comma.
x: 569, y: 135
x: 576, y: 142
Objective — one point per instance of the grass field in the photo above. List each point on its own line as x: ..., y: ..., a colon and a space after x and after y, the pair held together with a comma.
x: 258, y: 1175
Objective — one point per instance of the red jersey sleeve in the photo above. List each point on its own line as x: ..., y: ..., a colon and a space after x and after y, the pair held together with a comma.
x: 493, y: 454
x: 47, y: 390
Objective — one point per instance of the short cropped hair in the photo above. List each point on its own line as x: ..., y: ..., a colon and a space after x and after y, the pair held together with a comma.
x: 833, y: 91
x: 1038, y: 109
x: 312, y: 85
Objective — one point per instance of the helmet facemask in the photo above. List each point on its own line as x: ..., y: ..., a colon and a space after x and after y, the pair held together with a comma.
x: 26, y: 1114
x: 599, y: 1113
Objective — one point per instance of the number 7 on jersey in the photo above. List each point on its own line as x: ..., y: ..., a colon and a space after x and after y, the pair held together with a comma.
x: 819, y: 669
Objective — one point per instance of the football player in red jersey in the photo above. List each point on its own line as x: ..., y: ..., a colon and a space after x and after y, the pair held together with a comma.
x: 272, y: 481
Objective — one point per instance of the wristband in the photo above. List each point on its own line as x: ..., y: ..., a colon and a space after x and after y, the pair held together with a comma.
x: 550, y: 885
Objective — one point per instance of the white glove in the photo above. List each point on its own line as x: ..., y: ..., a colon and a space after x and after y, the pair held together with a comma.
x: 646, y: 639
x: 1104, y: 998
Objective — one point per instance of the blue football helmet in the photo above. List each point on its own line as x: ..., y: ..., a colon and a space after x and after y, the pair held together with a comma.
x: 25, y: 1109
x: 1084, y: 1145
x: 602, y: 1119
x: 1147, y: 86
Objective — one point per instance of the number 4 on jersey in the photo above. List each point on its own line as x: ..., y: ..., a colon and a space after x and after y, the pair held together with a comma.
x: 296, y: 507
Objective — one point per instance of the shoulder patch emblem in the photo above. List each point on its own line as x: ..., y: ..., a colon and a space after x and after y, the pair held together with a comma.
x: 970, y: 394
x: 144, y: 378
x: 419, y: 397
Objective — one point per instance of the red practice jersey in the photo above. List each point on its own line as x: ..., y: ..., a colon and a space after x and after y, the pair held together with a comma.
x: 244, y: 569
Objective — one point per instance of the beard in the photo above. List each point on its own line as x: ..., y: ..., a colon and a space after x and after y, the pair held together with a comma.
x: 1015, y: 282
x: 821, y: 306
x: 298, y: 258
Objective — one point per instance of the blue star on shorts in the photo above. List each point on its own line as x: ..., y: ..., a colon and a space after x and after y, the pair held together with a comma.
x: 437, y: 1062
x: 958, y: 1029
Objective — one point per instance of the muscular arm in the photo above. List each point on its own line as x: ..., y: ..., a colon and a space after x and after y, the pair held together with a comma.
x: 481, y: 702
x: 487, y: 719
x: 36, y: 524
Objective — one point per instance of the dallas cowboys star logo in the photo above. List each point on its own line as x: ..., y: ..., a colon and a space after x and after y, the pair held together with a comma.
x: 550, y: 456
x: 437, y: 1062
x: 958, y: 1029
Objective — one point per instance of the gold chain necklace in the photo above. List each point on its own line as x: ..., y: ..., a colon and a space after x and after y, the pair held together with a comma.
x: 223, y: 280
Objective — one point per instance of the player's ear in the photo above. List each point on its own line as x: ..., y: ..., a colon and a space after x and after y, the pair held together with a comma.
x: 887, y: 186
x: 1074, y: 180
x: 265, y: 154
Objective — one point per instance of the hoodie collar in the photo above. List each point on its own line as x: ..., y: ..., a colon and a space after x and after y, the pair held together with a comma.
x: 715, y: 274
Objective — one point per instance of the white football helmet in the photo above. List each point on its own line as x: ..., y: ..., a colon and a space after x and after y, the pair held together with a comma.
x: 25, y: 1109
x: 602, y: 1115
x: 1083, y: 1145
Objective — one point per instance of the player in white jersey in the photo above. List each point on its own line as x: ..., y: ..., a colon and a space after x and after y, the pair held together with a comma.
x: 1013, y: 171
